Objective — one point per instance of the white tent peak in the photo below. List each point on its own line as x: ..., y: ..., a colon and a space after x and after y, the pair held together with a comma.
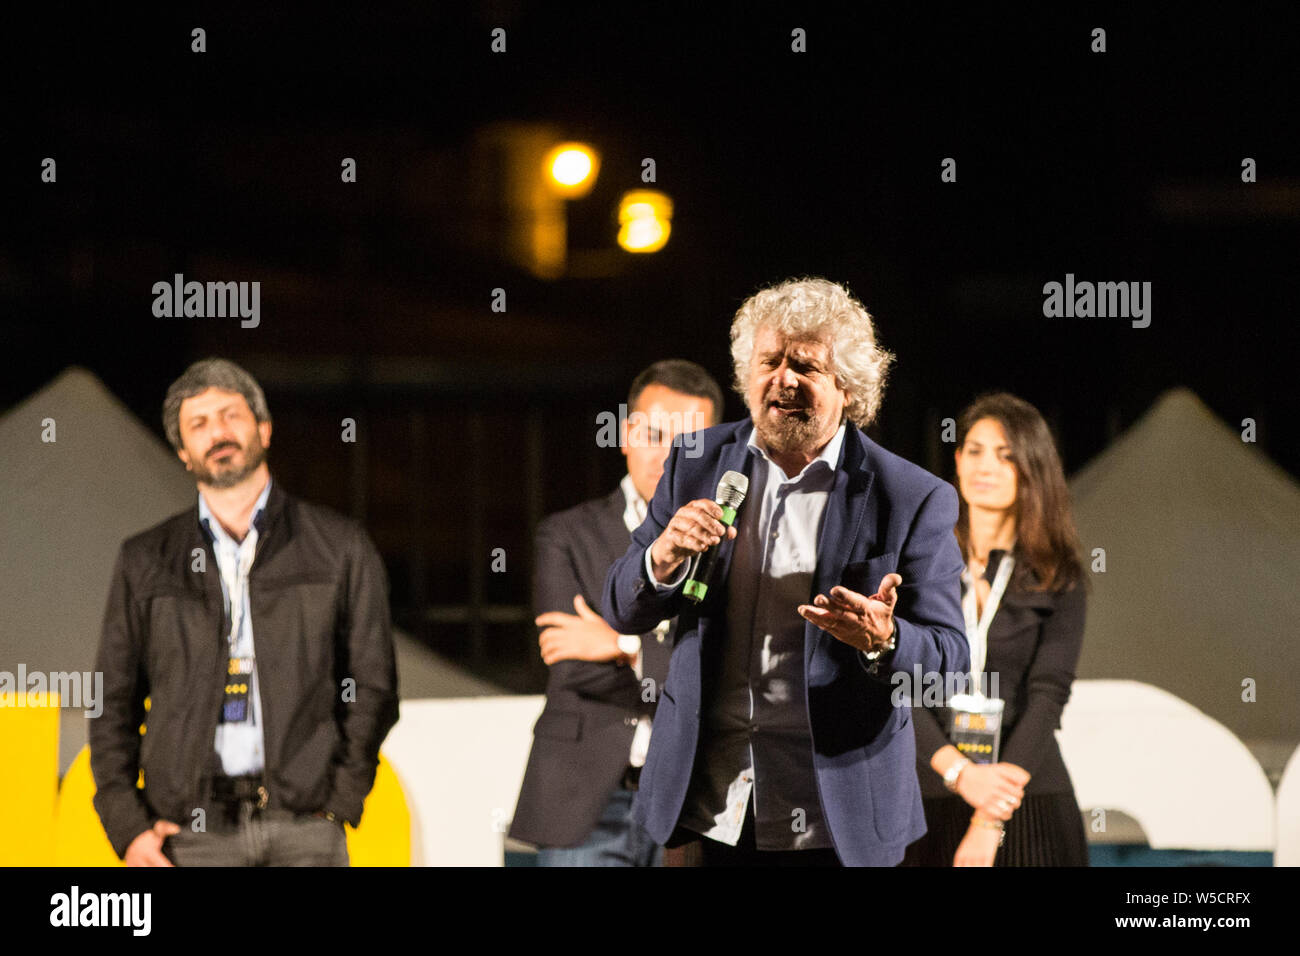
x: 75, y: 381
x: 1181, y: 437
x: 92, y: 419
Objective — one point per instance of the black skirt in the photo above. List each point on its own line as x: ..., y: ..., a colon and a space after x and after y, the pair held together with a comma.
x: 1045, y: 830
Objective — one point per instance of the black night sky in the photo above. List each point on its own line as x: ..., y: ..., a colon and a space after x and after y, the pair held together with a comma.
x: 1115, y: 166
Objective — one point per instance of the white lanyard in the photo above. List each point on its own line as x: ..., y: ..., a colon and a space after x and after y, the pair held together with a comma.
x: 977, y: 628
x: 243, y: 563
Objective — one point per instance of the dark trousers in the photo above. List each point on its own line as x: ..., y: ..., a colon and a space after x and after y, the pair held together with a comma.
x: 701, y: 851
x: 615, y: 841
x: 248, y: 836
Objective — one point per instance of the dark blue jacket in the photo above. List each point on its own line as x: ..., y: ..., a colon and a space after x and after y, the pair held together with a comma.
x: 883, y: 514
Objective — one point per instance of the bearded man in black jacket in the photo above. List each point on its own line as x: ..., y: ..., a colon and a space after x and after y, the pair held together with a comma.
x: 251, y: 636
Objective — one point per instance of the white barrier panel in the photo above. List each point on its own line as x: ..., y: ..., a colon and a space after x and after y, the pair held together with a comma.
x: 1288, y: 814
x: 461, y: 762
x: 1187, y: 780
x: 1183, y: 776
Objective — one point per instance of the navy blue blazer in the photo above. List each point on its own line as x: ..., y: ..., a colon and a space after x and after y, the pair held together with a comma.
x: 883, y: 514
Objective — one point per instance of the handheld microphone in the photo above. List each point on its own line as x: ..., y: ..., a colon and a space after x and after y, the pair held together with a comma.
x: 731, y: 492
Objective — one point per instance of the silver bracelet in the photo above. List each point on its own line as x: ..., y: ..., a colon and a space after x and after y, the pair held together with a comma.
x: 954, y: 771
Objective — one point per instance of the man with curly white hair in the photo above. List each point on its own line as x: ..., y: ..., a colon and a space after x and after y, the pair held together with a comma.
x: 778, y: 741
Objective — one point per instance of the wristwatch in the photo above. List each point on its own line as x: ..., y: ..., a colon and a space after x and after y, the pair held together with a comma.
x: 954, y: 771
x: 873, y: 658
x: 629, y: 644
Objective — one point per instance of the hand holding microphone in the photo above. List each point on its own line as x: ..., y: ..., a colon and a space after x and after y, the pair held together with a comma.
x: 695, y: 532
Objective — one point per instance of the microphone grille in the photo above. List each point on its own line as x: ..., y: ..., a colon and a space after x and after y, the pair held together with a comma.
x: 732, y: 489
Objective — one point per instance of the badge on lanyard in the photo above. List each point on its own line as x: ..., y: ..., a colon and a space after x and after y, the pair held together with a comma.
x: 975, y: 721
x: 234, y: 705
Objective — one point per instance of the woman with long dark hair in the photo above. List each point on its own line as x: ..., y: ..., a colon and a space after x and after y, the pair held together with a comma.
x: 1024, y: 597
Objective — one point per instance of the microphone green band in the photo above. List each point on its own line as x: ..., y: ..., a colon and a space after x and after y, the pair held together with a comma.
x: 695, y: 590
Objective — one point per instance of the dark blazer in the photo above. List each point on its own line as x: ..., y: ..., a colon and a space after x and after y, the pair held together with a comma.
x: 319, y: 605
x: 883, y: 514
x: 1034, y: 643
x: 582, y: 740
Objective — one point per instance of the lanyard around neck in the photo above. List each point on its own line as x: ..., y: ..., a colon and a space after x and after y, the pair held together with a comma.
x: 977, y: 625
x: 234, y: 574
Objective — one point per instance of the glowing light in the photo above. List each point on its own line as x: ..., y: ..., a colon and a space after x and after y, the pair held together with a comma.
x: 644, y: 220
x: 571, y: 169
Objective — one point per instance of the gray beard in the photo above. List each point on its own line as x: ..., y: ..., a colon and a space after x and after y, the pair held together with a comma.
x: 254, y: 455
x: 790, y: 434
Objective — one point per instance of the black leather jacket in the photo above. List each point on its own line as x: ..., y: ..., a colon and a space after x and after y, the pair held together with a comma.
x: 319, y: 608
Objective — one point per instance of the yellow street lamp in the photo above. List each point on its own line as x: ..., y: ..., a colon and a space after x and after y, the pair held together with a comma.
x: 644, y: 220
x: 571, y: 169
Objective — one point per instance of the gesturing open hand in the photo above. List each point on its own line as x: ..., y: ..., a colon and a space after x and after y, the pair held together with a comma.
x: 861, y: 621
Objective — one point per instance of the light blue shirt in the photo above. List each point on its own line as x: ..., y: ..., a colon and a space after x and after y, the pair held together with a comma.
x: 240, y: 746
x: 755, y: 740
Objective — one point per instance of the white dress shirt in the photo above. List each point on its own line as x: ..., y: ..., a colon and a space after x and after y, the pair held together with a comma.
x: 240, y: 746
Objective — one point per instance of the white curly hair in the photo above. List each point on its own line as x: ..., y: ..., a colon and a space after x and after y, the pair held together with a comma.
x: 817, y: 308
